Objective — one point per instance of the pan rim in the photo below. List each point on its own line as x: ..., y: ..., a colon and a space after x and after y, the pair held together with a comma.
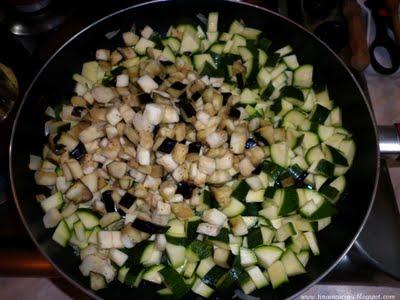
x: 90, y: 292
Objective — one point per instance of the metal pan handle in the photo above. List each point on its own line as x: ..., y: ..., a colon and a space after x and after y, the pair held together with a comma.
x: 389, y: 139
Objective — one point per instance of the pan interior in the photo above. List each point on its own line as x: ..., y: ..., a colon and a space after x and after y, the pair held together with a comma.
x: 55, y: 84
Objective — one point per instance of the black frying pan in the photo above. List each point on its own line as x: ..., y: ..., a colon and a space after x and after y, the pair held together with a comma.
x: 54, y: 82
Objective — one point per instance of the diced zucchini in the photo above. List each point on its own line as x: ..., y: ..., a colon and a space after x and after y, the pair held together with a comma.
x: 54, y: 201
x: 234, y: 208
x: 212, y: 25
x: 312, y: 241
x: 292, y: 264
x: 200, y: 288
x: 152, y: 274
x: 247, y: 257
x: 277, y: 274
x: 267, y: 255
x: 176, y: 254
x: 257, y: 276
x: 302, y: 76
x: 62, y: 234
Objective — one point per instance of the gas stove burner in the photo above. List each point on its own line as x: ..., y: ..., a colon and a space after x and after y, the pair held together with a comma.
x: 33, y: 18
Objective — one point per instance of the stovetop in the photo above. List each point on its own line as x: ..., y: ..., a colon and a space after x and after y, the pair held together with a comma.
x: 377, y: 247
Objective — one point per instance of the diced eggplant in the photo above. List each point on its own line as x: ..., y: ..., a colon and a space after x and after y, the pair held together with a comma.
x: 147, y: 84
x: 167, y: 162
x: 177, y: 85
x: 154, y: 113
x: 79, y: 193
x: 102, y: 54
x: 217, y: 138
x: 90, y: 134
x: 238, y: 142
x: 185, y: 189
x: 127, y: 200
x: 121, y: 212
x: 108, y: 201
x: 141, y: 123
x: 171, y: 115
x: 214, y: 216
x: 122, y: 80
x: 75, y: 168
x: 208, y: 229
x: 78, y: 152
x: 187, y: 108
x: 145, y: 98
x: 113, y: 116
x: 168, y: 189
x: 95, y: 263
x: 77, y: 111
x: 158, y: 80
x: 250, y: 143
x: 196, y: 96
x: 167, y: 145
x: 117, y: 169
x: 246, y: 167
x: 225, y: 97
x: 206, y: 165
x: 45, y: 178
x: 143, y: 156
x: 149, y: 227
x: 103, y: 94
x: 234, y: 113
x: 195, y: 147
x: 219, y: 177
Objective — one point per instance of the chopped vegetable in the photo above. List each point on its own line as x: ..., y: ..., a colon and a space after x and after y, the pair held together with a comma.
x: 200, y: 160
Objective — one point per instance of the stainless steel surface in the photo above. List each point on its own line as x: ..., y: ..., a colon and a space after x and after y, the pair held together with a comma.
x: 40, y: 25
x: 389, y: 141
x: 379, y: 241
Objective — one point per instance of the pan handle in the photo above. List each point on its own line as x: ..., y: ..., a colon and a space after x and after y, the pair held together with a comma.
x: 389, y: 139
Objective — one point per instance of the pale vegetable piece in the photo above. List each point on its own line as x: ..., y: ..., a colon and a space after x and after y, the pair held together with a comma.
x: 34, y: 162
x: 154, y: 113
x: 94, y: 263
x: 141, y: 123
x: 45, y: 178
x: 206, y: 165
x: 90, y: 134
x: 102, y: 94
x: 225, y: 162
x: 52, y: 218
x: 130, y: 39
x: 163, y: 208
x: 117, y: 169
x: 238, y: 142
x: 214, y: 216
x: 102, y: 54
x: 91, y: 181
x: 122, y: 80
x: 118, y: 257
x: 171, y: 115
x: 219, y: 177
x: 208, y: 229
x: 217, y: 138
x: 167, y: 162
x: 246, y: 167
x: 114, y: 116
x: 179, y: 153
x: 143, y: 156
x: 147, y: 84
x: 79, y: 193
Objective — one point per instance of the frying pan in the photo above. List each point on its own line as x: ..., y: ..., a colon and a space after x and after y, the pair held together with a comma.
x: 53, y: 83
